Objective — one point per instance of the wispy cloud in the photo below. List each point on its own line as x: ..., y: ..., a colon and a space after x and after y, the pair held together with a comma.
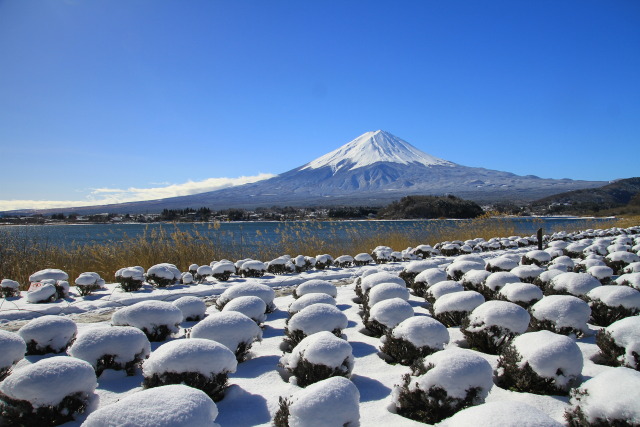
x: 104, y: 196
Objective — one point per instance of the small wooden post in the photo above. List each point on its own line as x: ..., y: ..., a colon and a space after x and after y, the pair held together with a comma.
x: 540, y: 238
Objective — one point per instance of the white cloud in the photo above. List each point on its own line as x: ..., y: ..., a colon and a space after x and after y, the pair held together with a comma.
x: 105, y: 196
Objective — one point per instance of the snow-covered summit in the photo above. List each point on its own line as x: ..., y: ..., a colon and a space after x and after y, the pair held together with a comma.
x: 374, y: 147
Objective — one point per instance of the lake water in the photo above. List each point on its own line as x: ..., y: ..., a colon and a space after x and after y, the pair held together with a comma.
x: 244, y: 233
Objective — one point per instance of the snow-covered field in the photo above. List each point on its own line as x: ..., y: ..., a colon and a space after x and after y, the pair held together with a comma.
x: 258, y: 382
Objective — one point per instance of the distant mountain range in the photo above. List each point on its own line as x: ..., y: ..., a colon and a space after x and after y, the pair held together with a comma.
x: 373, y: 169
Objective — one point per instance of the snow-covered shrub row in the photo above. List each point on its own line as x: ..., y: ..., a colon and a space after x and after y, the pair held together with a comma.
x: 248, y: 289
x: 473, y: 280
x: 536, y: 257
x: 331, y: 402
x: 163, y: 275
x: 608, y: 399
x: 323, y: 261
x: 89, y: 282
x: 130, y: 279
x: 427, y: 278
x: 157, y: 319
x: 230, y: 328
x: 619, y: 343
x: 202, y: 273
x: 13, y: 350
x: 621, y: 259
x: 411, y: 270
x: 313, y: 319
x: 611, y: 303
x: 362, y: 259
x: 500, y: 413
x: 199, y: 363
x: 280, y: 265
x: 442, y: 288
x: 309, y: 299
x: 412, y: 339
x: 386, y: 314
x: 576, y: 284
x: 167, y: 406
x: 9, y: 288
x: 222, y: 270
x: 344, y: 261
x: 381, y: 292
x: 540, y: 362
x: 527, y: 273
x: 192, y: 308
x: 451, y: 308
x: 562, y: 314
x: 315, y: 286
x: 48, y: 334
x: 118, y: 347
x: 251, y: 306
x: 462, y: 265
x: 523, y: 294
x: 49, y: 392
x: 446, y: 382
x: 375, y: 278
x: 318, y: 357
x: 493, y: 324
x: 253, y: 268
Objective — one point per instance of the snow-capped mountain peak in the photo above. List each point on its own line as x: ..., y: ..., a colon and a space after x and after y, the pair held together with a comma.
x: 374, y: 147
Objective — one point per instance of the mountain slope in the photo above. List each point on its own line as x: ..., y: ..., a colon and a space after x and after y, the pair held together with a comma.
x: 373, y: 169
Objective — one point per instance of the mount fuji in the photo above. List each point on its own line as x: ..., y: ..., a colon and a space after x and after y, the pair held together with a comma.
x: 373, y: 169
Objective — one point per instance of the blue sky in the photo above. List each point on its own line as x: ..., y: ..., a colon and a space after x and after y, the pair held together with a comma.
x: 119, y: 100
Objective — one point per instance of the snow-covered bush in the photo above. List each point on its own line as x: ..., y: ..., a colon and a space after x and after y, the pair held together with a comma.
x: 382, y: 292
x: 493, y: 283
x: 447, y: 381
x: 310, y: 299
x: 253, y: 268
x: 523, y: 294
x: 451, y: 308
x: 612, y: 303
x: 450, y: 249
x: 199, y: 363
x: 323, y: 261
x: 527, y: 273
x: 186, y: 278
x: 48, y: 274
x: 192, y: 308
x: 49, y: 392
x: 315, y: 286
x: 629, y: 279
x: 442, y: 288
x: 362, y: 259
x: 473, y: 280
x: 374, y: 279
x: 619, y: 260
x: 48, y: 334
x: 331, y: 402
x: 634, y: 267
x: 602, y: 273
x: 501, y: 263
x: 501, y: 413
x: 157, y: 319
x: 409, y: 273
x: 619, y: 343
x: 585, y: 264
x: 381, y: 254
x: 493, y: 324
x: 459, y: 267
x: 427, y: 278
x: 248, y: 289
x: 193, y: 269
x: 279, y: 266
x: 163, y: 275
x: 222, y: 270
x: 386, y: 314
x: 230, y: 328
x: 203, y: 272
x: 608, y: 399
x: 167, y: 406
x: 576, y: 249
x: 412, y: 339
x: 89, y: 282
x: 9, y: 288
x: 313, y: 319
x: 318, y: 357
x: 423, y: 251
x: 130, y: 278
x: 563, y: 263
x: 540, y: 362
x: 45, y: 293
x: 119, y: 348
x: 576, y: 284
x: 344, y: 261
x: 562, y: 314
x: 536, y: 257
x: 251, y: 306
x: 13, y: 350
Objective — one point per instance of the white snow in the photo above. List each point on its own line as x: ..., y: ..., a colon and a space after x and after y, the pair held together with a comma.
x: 89, y: 278
x: 8, y: 283
x: 13, y: 349
x: 251, y: 306
x: 525, y: 272
x: 541, y: 257
x: 461, y: 267
x: 443, y: 288
x: 431, y: 276
x: 506, y: 315
x: 634, y: 267
x: 331, y: 402
x: 498, y: 280
x: 191, y: 307
x: 149, y: 315
x: 322, y: 348
x: 391, y: 312
x: 458, y: 301
x: 248, y: 289
x: 49, y: 331
x: 386, y: 291
x: 363, y: 257
x: 475, y: 277
x: 563, y: 311
x: 422, y: 331
x: 42, y: 294
x: 123, y: 342
x: 316, y: 318
x: 629, y: 279
x: 229, y: 328
x: 223, y: 267
x: 574, y: 283
x: 521, y: 292
x: 316, y: 286
x: 374, y: 279
x: 419, y: 266
x: 626, y: 334
x: 502, y: 263
x: 600, y: 272
x: 203, y: 356
x: 550, y: 355
x: 503, y: 414
x: 136, y: 273
x: 48, y: 381
x: 164, y: 271
x: 167, y: 406
x: 309, y: 299
x: 615, y: 296
x: 374, y: 147
x: 626, y: 257
x: 48, y: 273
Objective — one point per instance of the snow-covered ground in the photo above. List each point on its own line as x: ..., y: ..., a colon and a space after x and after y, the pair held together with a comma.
x: 257, y: 383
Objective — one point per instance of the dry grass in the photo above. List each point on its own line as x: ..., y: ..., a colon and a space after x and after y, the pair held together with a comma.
x: 25, y: 252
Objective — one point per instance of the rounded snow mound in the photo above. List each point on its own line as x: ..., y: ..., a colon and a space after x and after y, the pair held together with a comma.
x: 322, y: 348
x: 501, y: 413
x: 316, y: 286
x: 48, y: 274
x: 166, y: 406
x: 48, y: 333
x: 123, y: 342
x: 443, y: 288
x: 251, y: 306
x: 501, y: 263
x: 203, y: 356
x: 496, y: 281
x: 563, y: 311
x: 506, y: 315
x: 419, y: 266
x: 577, y: 284
x: 386, y: 291
x: 42, y: 294
x: 331, y: 402
x: 48, y: 381
x: 521, y: 292
x: 13, y: 349
x: 310, y: 299
x: 148, y: 315
x: 458, y: 268
x: 431, y: 276
x: 422, y: 331
x: 229, y: 328
x: 375, y: 279
x: 458, y: 301
x: 248, y: 289
x: 192, y: 308
x: 600, y: 272
x: 629, y: 279
x: 537, y: 256
x: 615, y: 296
x: 316, y: 318
x: 527, y: 272
x: 550, y: 355
x: 626, y: 334
x: 391, y: 312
